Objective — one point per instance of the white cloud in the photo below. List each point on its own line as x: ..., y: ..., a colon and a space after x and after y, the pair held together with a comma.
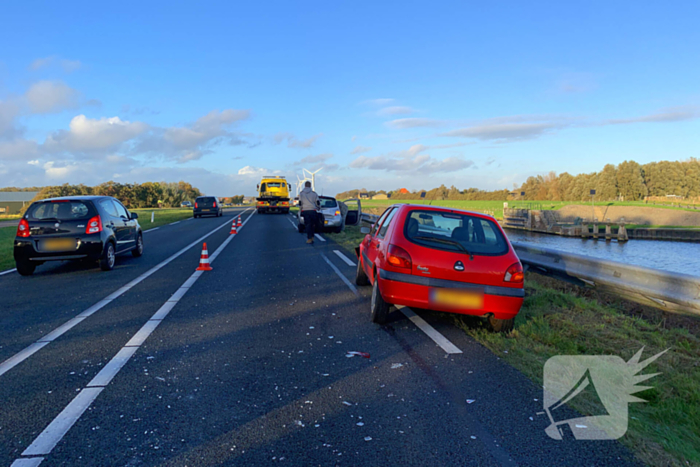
x: 378, y: 102
x: 403, y: 123
x: 51, y: 96
x: 18, y: 149
x: 674, y: 114
x: 9, y: 110
x: 360, y: 149
x: 293, y: 142
x: 411, y: 160
x: 68, y: 66
x: 504, y: 131
x: 395, y: 110
x: 90, y: 135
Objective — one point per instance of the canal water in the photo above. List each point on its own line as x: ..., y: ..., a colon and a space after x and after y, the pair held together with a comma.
x: 683, y: 257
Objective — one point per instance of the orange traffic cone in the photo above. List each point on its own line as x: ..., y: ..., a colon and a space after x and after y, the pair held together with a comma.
x: 239, y: 221
x: 204, y: 260
x: 233, y: 228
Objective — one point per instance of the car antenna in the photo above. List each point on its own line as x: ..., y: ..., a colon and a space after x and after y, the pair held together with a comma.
x: 431, y: 199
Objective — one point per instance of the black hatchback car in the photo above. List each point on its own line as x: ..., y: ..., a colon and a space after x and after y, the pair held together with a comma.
x: 93, y: 228
x: 207, y: 206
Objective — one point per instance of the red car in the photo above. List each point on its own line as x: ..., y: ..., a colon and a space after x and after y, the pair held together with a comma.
x: 441, y: 259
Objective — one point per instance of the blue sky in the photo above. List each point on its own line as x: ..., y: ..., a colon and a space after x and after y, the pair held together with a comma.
x: 376, y: 94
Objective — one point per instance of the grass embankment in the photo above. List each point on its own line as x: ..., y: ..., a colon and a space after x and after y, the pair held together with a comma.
x: 161, y: 217
x: 558, y: 320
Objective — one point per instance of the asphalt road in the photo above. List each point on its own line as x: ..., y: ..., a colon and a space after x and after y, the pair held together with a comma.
x: 246, y: 365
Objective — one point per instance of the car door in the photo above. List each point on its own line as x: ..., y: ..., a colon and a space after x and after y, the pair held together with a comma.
x: 373, y: 243
x: 113, y: 221
x: 129, y: 238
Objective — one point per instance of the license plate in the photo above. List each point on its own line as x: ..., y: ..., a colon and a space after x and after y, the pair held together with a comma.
x: 206, y: 210
x: 457, y: 298
x: 59, y: 244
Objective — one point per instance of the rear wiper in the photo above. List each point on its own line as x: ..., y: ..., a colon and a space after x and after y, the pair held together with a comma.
x: 52, y: 219
x: 450, y: 242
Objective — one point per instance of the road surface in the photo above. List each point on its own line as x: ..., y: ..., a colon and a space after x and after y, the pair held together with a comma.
x: 246, y: 365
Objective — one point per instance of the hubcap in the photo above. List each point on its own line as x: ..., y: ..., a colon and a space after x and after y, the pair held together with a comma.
x: 140, y: 244
x: 110, y: 256
x: 374, y: 295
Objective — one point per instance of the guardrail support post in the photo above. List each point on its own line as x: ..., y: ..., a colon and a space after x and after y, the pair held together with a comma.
x: 622, y: 233
x: 608, y: 232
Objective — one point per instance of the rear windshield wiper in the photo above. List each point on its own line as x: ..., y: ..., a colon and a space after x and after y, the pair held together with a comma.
x: 450, y: 242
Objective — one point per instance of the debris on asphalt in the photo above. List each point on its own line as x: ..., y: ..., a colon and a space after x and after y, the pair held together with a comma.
x: 470, y: 401
x: 360, y: 424
x: 396, y: 365
x: 473, y: 437
x: 354, y: 352
x: 368, y: 438
x: 347, y: 403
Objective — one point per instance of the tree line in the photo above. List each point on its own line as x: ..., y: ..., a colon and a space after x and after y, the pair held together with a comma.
x: 627, y: 181
x: 137, y: 195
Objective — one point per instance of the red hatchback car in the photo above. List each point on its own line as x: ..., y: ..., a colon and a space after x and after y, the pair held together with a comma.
x: 441, y: 259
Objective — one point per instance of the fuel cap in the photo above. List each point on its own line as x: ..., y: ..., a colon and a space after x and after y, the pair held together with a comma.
x: 459, y: 266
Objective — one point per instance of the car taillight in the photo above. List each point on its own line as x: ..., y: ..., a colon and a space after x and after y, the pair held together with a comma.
x: 398, y: 257
x: 94, y: 225
x: 214, y: 203
x: 285, y: 203
x: 196, y: 205
x: 23, y: 228
x: 514, y: 273
x: 337, y: 213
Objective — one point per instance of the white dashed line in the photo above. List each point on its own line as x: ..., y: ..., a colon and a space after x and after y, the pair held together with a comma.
x: 340, y: 274
x: 59, y: 426
x: 24, y: 354
x: 151, y: 230
x: 319, y: 237
x: 345, y: 259
x: 293, y: 224
x: 438, y: 338
x: 8, y: 271
x: 173, y: 223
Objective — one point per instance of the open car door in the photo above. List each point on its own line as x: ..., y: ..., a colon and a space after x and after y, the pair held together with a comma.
x: 352, y: 211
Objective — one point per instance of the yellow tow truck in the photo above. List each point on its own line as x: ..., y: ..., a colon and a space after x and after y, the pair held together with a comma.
x: 273, y: 195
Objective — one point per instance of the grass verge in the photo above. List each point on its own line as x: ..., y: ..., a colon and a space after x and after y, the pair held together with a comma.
x: 161, y: 217
x: 558, y: 321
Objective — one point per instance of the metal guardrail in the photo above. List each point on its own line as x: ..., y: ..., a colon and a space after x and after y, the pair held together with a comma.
x: 660, y: 289
x: 369, y: 218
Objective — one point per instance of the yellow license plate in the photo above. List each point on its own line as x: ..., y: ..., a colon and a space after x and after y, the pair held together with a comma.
x: 62, y: 244
x: 457, y: 298
x: 206, y: 210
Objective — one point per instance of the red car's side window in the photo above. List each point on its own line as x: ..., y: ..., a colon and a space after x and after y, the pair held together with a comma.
x: 376, y: 226
x: 386, y: 223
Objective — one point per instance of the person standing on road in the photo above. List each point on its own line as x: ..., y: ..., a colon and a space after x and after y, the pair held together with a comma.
x: 309, y: 206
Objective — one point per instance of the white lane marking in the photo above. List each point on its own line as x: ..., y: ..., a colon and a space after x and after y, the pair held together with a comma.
x: 8, y: 271
x: 33, y: 462
x: 293, y: 225
x: 52, y: 434
x: 24, y: 354
x: 438, y: 338
x: 319, y: 237
x: 345, y: 259
x: 59, y: 426
x: 340, y: 274
x: 151, y: 230
x: 173, y: 223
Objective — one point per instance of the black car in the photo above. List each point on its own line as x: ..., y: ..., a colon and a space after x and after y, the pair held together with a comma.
x: 207, y: 206
x: 93, y: 228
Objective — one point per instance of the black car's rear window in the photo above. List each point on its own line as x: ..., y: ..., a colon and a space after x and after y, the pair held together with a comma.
x: 455, y: 232
x: 207, y: 200
x: 59, y: 210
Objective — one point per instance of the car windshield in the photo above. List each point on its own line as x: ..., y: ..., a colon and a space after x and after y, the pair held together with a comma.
x: 58, y: 210
x: 274, y: 185
x: 455, y: 232
x: 328, y: 203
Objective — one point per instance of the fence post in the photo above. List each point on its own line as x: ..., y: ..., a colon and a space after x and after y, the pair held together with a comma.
x: 153, y: 213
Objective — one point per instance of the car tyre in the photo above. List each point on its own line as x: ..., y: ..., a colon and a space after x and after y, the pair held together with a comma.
x: 138, y: 251
x: 108, y: 258
x: 500, y: 325
x: 338, y: 229
x: 379, y: 308
x: 360, y: 275
x: 301, y: 228
x: 25, y: 268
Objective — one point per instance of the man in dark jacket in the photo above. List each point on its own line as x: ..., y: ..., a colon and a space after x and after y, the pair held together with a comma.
x: 309, y: 206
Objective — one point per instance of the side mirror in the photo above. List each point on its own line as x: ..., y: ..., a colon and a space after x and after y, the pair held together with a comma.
x: 364, y: 230
x: 133, y: 215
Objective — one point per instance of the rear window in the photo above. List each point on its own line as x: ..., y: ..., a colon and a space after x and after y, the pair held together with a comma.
x: 455, y: 232
x: 62, y: 211
x: 208, y: 199
x: 273, y: 185
x: 328, y: 203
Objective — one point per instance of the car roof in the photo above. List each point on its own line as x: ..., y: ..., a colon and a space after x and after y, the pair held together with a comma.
x: 78, y: 198
x: 424, y: 207
x: 326, y: 197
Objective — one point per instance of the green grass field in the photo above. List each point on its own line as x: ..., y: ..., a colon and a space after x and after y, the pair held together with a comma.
x: 161, y: 217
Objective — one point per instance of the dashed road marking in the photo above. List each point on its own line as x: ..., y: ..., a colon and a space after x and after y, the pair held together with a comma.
x: 438, y: 338
x: 345, y: 259
x: 151, y: 230
x: 340, y: 274
x: 173, y: 223
x: 27, y: 352
x: 319, y: 237
x: 59, y: 426
x: 8, y: 271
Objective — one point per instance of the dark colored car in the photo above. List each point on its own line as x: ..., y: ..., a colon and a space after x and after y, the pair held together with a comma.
x: 93, y: 228
x: 441, y: 259
x: 207, y: 206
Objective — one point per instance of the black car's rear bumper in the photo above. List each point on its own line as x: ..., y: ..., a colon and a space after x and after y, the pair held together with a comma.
x: 210, y: 212
x: 88, y: 246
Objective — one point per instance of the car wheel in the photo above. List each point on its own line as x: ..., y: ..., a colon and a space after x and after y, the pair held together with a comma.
x: 360, y: 275
x: 25, y: 268
x: 379, y: 308
x: 108, y: 258
x: 338, y: 229
x: 301, y: 228
x: 138, y: 251
x: 500, y: 325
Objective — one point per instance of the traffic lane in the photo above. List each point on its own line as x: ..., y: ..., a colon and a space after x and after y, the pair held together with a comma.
x: 33, y: 306
x: 39, y: 388
x: 505, y: 402
x: 234, y: 377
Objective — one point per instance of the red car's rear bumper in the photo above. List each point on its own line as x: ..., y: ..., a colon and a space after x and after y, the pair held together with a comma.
x: 502, y: 302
